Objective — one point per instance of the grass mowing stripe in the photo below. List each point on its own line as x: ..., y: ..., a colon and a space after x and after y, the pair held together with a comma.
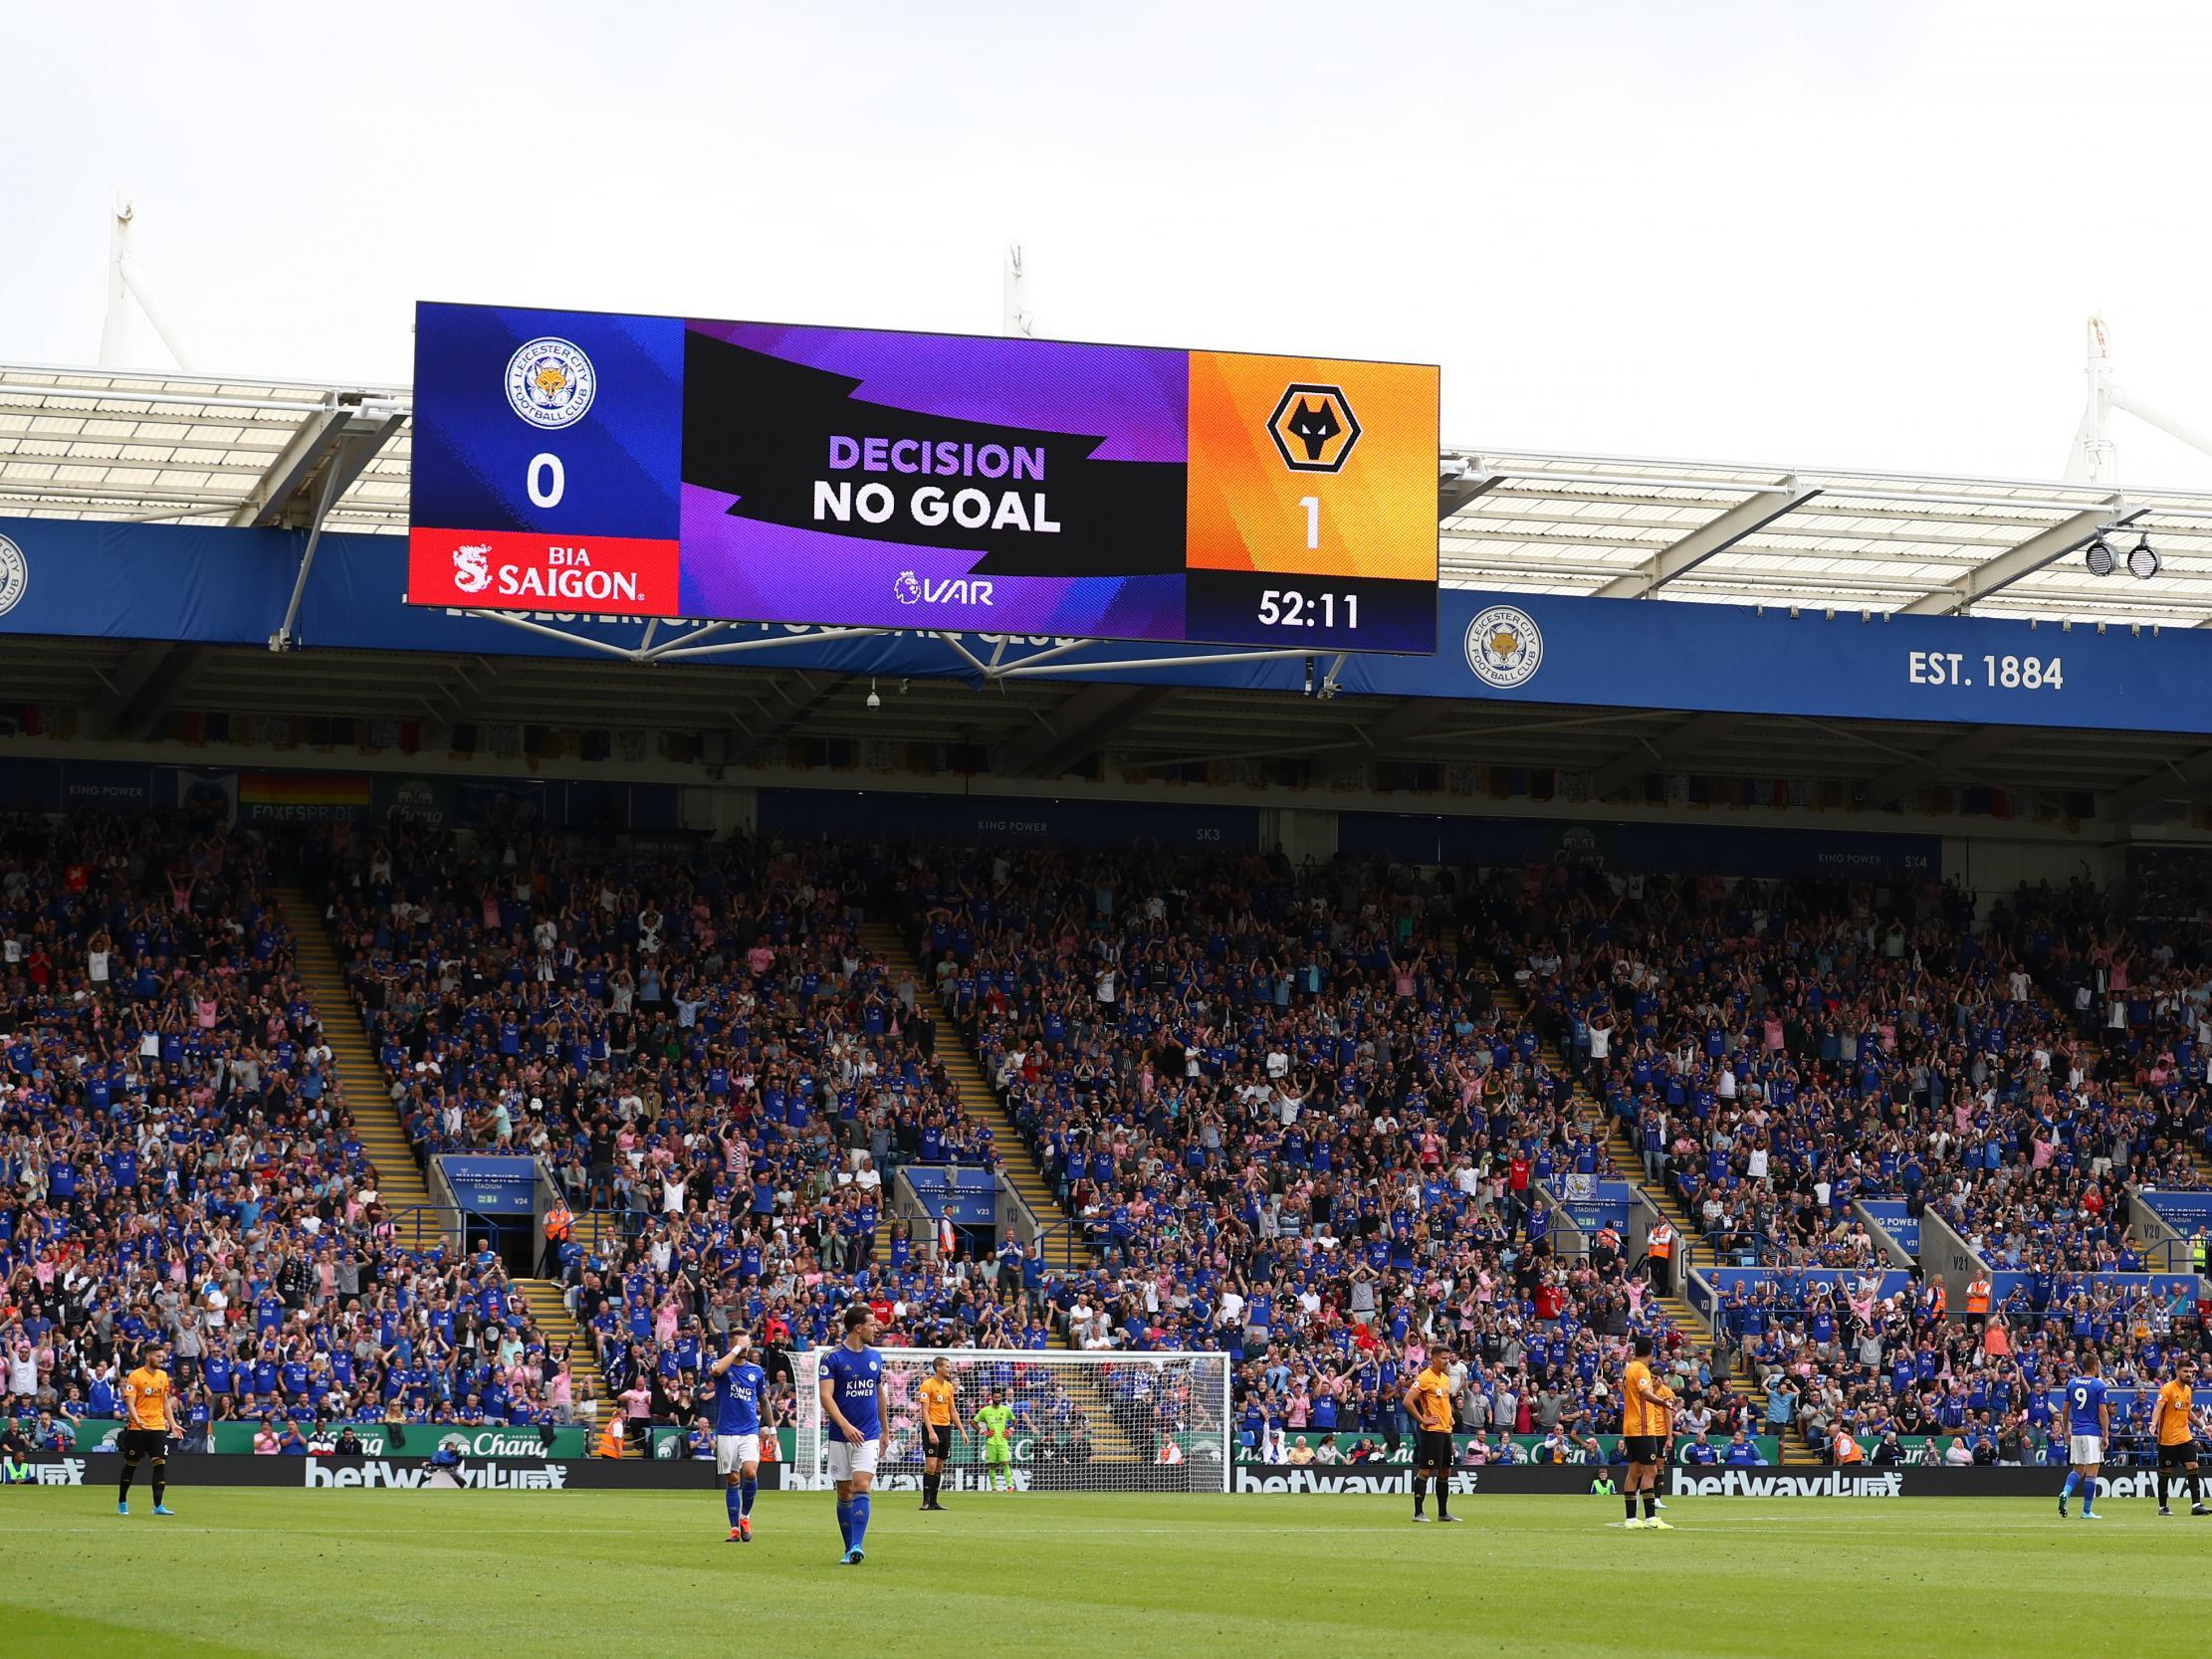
x: 360, y: 1574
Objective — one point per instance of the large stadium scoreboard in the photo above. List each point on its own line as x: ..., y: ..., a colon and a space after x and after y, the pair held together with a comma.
x: 639, y: 466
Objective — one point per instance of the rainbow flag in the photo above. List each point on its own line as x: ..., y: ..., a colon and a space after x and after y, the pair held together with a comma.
x: 303, y: 795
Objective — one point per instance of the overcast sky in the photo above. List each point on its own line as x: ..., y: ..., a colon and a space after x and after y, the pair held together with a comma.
x: 1845, y: 235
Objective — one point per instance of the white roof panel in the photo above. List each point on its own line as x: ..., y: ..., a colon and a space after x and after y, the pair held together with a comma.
x: 192, y: 448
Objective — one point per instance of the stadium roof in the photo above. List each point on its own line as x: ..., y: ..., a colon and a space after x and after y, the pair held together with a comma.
x: 77, y: 442
x: 176, y: 448
x: 1817, y: 537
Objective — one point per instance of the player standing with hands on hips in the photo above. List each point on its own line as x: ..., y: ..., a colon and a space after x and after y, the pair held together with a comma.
x: 1647, y: 1417
x: 852, y: 1399
x: 1429, y: 1398
x: 2173, y: 1426
x: 738, y: 1384
x: 149, y: 1421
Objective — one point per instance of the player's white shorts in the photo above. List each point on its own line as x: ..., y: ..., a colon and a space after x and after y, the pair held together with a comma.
x: 847, y: 1460
x: 734, y: 1450
x: 2085, y: 1449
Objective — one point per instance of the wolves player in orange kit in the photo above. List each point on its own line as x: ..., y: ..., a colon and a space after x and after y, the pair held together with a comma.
x: 149, y: 1420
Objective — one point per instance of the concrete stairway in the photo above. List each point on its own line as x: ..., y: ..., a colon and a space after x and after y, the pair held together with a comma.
x: 980, y: 1101
x: 361, y: 1085
x: 358, y: 1078
x: 551, y: 1317
x: 1629, y: 1163
x: 1062, y: 1251
x: 2125, y: 1094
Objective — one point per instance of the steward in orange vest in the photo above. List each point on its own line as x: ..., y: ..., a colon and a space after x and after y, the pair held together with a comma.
x: 560, y: 1223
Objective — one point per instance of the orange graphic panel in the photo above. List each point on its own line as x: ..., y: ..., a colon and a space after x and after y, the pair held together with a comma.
x: 1309, y: 466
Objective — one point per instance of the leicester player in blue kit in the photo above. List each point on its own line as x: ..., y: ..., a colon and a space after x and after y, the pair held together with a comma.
x: 2089, y: 1425
x: 738, y: 1384
x: 853, y: 1418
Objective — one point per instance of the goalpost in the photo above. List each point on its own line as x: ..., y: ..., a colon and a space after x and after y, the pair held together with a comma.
x: 1082, y: 1423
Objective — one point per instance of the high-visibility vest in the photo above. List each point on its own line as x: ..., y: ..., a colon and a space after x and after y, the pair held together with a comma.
x: 1978, y: 1297
x: 1847, y: 1449
x: 2200, y: 1251
x: 559, y: 1221
x: 611, y: 1437
x: 1661, y: 1241
x: 1939, y: 1300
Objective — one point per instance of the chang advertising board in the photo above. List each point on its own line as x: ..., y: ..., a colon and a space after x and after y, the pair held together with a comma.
x: 607, y: 465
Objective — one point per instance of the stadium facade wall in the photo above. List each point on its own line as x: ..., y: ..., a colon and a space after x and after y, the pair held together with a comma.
x: 218, y: 585
x: 273, y: 785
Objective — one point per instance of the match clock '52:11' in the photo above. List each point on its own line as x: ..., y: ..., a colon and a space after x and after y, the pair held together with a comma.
x: 594, y: 464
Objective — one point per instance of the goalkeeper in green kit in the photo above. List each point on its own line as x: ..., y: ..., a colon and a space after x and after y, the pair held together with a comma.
x: 996, y: 1421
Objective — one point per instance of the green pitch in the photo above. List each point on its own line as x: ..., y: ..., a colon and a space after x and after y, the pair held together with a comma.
x: 418, y: 1576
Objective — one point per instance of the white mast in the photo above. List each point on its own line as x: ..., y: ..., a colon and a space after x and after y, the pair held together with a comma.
x: 2095, y: 458
x: 128, y: 281
x: 1017, y: 318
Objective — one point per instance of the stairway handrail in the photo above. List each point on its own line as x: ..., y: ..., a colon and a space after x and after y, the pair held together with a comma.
x: 460, y: 1214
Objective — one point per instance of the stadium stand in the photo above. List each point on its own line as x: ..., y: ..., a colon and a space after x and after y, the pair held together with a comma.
x: 1317, y: 1117
x: 181, y: 1159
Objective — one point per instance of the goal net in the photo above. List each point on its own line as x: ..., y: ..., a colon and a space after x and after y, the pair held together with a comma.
x: 1081, y: 1422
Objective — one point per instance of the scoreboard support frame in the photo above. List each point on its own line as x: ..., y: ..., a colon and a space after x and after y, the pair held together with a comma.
x: 1032, y: 666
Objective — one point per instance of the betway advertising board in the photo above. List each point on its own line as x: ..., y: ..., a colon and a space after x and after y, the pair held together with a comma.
x: 1777, y: 1485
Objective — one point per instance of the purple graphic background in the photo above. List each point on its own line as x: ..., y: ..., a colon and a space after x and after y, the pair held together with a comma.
x: 1137, y: 397
x: 772, y: 574
x: 1134, y: 398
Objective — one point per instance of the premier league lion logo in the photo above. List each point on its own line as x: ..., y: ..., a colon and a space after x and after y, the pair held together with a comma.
x: 908, y: 587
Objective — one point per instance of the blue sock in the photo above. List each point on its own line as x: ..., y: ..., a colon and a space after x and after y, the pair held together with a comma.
x: 2073, y: 1479
x: 844, y: 1521
x: 746, y: 1489
x: 2089, y: 1496
x: 730, y: 1503
x: 859, y: 1520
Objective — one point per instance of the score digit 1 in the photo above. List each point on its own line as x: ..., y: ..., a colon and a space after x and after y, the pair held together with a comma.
x: 1313, y: 505
x: 545, y: 466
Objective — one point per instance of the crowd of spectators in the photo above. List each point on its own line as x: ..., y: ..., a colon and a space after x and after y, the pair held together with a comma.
x: 1308, y: 1117
x: 700, y: 1046
x: 1841, y: 1356
x: 176, y: 1161
x: 1291, y: 1119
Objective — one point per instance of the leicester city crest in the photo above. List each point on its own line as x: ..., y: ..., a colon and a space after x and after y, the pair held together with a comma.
x: 550, y: 384
x: 1505, y: 647
x: 15, y: 575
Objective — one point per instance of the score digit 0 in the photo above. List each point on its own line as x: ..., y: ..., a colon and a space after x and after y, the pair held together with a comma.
x: 547, y: 463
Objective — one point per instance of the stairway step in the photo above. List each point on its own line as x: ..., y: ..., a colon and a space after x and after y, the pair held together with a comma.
x: 1016, y: 1165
